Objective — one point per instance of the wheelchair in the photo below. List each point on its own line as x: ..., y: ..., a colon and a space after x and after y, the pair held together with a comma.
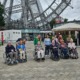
x: 73, y: 53
x: 22, y: 60
x: 54, y: 54
x: 8, y: 60
x: 36, y: 56
x: 62, y: 53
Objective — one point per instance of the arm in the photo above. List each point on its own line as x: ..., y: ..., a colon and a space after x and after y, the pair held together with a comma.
x: 74, y: 46
x: 23, y: 48
x: 69, y: 45
x: 13, y: 48
x: 18, y: 47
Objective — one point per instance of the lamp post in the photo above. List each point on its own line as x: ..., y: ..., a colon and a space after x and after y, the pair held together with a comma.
x: 2, y: 38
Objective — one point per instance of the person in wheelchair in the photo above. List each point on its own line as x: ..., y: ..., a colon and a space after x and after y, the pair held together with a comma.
x: 64, y: 49
x: 11, y: 53
x: 21, y: 51
x: 39, y: 52
x: 72, y: 49
x: 54, y: 49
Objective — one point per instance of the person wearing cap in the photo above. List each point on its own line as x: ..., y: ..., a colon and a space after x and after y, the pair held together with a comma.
x: 10, y: 50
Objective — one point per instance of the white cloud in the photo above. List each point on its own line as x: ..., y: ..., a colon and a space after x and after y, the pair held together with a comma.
x: 74, y: 13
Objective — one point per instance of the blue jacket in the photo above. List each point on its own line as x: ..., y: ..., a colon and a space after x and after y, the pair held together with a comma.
x: 21, y: 47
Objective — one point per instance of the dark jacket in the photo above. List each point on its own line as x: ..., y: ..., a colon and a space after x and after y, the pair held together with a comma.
x: 9, y: 48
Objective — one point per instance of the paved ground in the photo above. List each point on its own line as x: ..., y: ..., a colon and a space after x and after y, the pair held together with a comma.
x: 48, y: 70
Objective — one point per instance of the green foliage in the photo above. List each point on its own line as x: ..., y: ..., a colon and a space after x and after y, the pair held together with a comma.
x: 2, y: 22
x: 73, y: 37
x: 65, y: 20
x: 64, y: 37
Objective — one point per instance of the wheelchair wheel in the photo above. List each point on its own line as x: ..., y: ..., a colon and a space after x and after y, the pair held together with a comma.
x: 4, y: 57
x: 52, y: 56
x: 25, y: 57
x: 35, y: 55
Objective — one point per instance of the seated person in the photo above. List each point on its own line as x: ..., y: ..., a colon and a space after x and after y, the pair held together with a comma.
x: 40, y: 51
x: 72, y: 48
x: 64, y: 49
x: 10, y: 51
x: 21, y: 48
x: 54, y: 47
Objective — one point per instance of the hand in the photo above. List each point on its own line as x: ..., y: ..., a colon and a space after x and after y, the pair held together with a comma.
x: 12, y: 50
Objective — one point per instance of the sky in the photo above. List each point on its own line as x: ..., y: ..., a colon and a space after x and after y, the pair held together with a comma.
x: 74, y: 13
x: 68, y: 13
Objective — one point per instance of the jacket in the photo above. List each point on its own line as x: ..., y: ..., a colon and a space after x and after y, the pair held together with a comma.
x: 19, y: 46
x: 9, y: 49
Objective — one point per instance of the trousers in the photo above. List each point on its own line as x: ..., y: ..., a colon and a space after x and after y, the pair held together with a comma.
x: 22, y: 54
x: 40, y: 54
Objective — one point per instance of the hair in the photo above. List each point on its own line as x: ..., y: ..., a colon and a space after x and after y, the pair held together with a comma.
x: 71, y: 39
x: 9, y: 42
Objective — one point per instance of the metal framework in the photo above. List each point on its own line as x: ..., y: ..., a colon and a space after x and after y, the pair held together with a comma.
x: 32, y: 14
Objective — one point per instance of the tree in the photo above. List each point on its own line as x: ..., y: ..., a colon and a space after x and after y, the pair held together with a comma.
x: 65, y: 20
x: 52, y: 23
x: 2, y: 22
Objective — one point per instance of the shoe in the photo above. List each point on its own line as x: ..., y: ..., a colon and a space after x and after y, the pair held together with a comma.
x: 12, y: 62
x: 16, y: 61
x: 43, y: 59
x: 25, y: 60
x: 20, y: 61
x: 38, y: 60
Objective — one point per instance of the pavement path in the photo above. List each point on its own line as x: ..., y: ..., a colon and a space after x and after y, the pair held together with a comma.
x: 48, y: 70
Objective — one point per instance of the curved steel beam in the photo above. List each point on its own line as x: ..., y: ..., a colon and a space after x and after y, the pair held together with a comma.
x: 55, y: 13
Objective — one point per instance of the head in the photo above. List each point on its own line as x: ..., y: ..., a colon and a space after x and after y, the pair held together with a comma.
x: 21, y: 42
x: 60, y: 36
x: 69, y: 36
x: 71, y: 41
x: 38, y: 42
x: 53, y: 38
x: 47, y: 36
x: 59, y: 33
x: 62, y: 41
x: 39, y: 36
x: 9, y: 43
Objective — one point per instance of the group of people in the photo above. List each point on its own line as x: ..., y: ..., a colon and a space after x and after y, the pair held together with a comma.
x: 55, y: 48
x: 16, y: 54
